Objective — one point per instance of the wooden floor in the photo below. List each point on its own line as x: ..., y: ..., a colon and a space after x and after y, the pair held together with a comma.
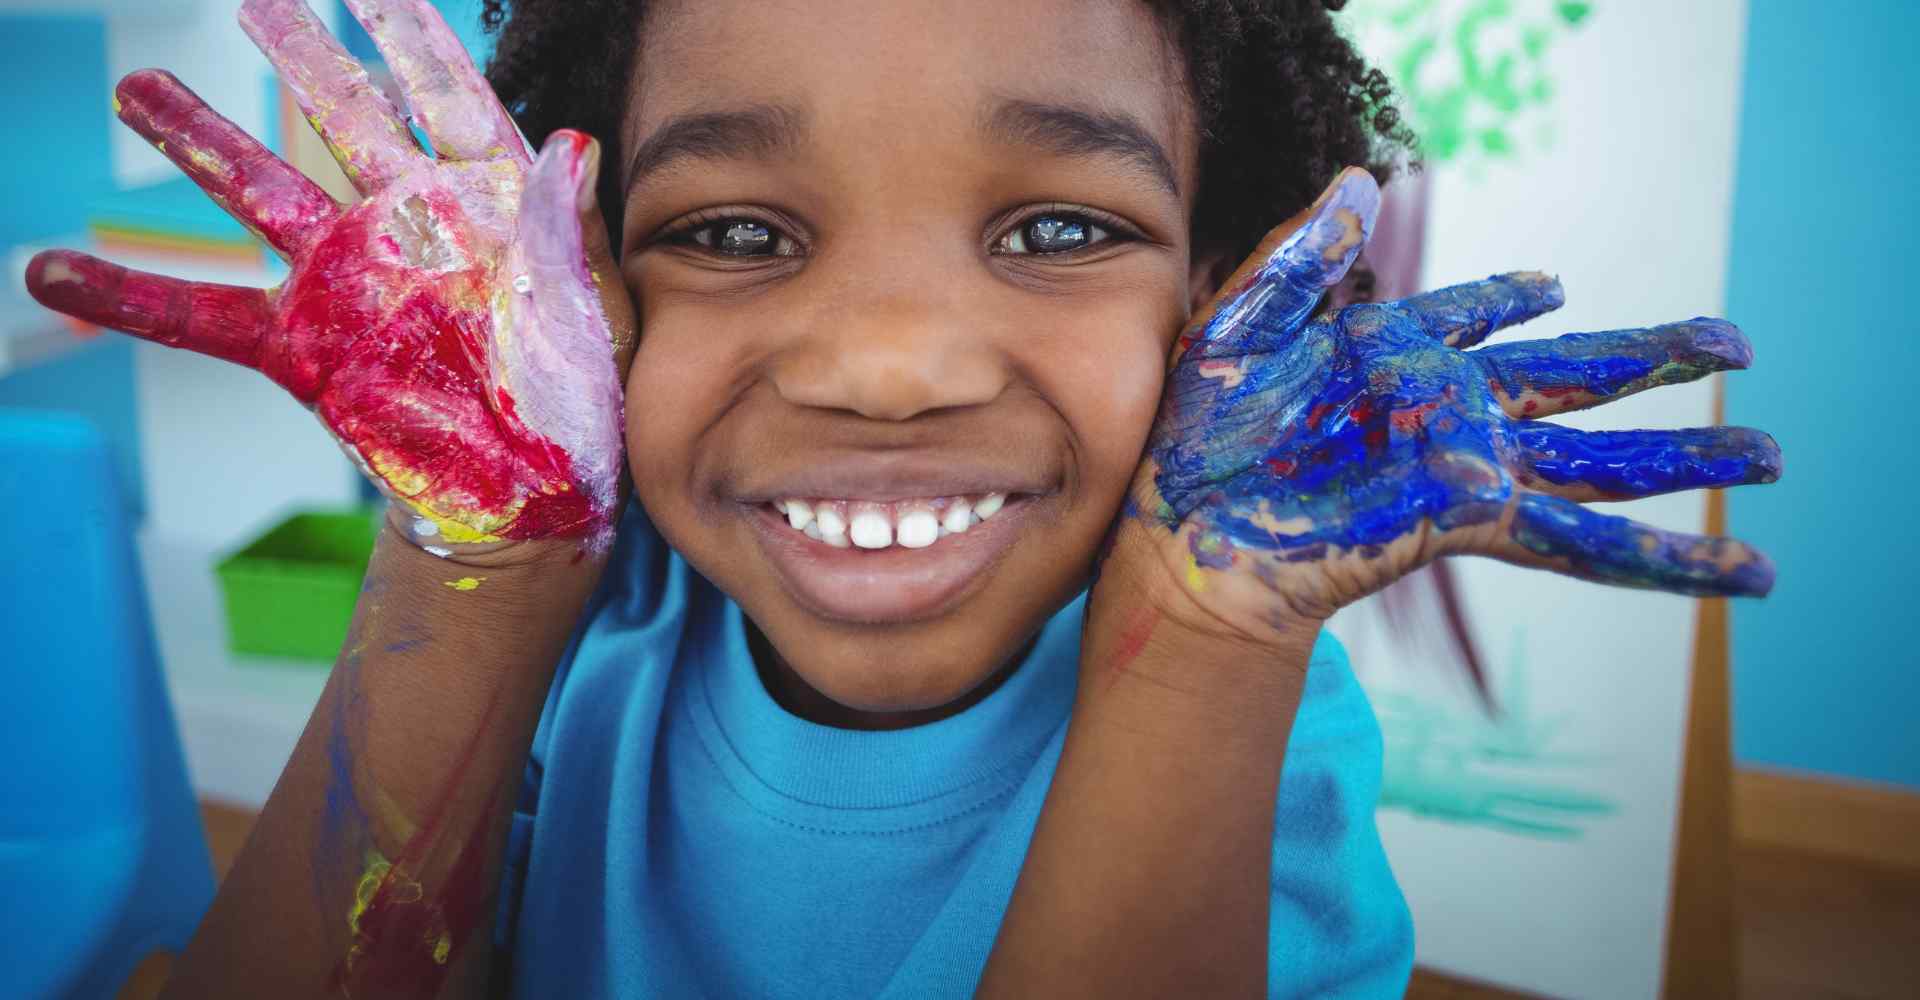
x: 1811, y: 926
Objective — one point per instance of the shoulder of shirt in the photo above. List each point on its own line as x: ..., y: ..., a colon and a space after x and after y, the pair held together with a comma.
x: 1333, y: 707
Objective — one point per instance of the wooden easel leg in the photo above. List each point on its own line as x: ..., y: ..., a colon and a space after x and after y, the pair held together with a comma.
x: 1702, y: 938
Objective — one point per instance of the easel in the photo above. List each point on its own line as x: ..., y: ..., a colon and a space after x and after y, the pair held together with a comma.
x: 1703, y: 956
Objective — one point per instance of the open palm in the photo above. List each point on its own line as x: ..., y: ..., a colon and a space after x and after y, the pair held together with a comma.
x: 1301, y: 463
x: 447, y: 329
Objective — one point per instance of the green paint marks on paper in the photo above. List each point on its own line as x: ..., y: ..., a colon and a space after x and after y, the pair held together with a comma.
x: 1503, y: 773
x: 1470, y: 75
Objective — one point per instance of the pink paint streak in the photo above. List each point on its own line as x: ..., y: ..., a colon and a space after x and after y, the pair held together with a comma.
x: 1133, y: 640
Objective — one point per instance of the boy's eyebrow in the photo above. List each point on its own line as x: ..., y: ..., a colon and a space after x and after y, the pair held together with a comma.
x: 760, y: 130
x: 1079, y: 131
x: 765, y: 130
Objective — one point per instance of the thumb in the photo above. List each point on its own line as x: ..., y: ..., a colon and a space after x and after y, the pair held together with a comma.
x: 564, y: 238
x: 566, y: 360
x: 605, y: 267
x: 1292, y: 267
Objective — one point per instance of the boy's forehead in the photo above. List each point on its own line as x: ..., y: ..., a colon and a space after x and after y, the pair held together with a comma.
x: 997, y: 67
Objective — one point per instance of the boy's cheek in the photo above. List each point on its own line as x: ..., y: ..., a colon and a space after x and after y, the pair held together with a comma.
x: 1107, y: 380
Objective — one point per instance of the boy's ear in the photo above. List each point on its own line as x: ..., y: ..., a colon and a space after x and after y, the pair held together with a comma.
x: 1209, y: 270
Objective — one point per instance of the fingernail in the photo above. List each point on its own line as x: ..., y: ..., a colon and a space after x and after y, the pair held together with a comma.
x: 1752, y: 578
x: 1341, y: 221
x: 1768, y: 461
x: 64, y: 281
x: 586, y: 194
x: 580, y: 153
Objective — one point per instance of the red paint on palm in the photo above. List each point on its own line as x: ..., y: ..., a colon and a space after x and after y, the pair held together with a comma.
x: 396, y: 359
x: 447, y: 329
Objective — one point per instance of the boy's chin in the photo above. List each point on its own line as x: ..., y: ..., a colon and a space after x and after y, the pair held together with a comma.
x: 883, y: 684
x: 895, y: 684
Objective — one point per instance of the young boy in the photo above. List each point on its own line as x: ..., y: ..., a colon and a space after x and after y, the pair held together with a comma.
x: 907, y: 277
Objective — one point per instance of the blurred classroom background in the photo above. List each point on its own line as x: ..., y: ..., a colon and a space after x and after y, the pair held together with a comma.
x: 1826, y: 751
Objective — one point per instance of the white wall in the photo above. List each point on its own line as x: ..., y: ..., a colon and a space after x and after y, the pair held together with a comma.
x: 225, y: 451
x: 1630, y: 206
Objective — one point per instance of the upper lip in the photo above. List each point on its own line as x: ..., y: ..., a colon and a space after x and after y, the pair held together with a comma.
x: 888, y: 476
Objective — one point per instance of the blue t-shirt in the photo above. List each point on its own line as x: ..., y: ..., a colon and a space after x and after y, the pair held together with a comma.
x: 680, y: 834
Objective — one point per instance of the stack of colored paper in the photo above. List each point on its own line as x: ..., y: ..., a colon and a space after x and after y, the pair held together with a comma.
x: 174, y: 221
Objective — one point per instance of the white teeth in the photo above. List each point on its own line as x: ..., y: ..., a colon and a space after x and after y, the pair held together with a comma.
x: 959, y: 516
x: 871, y: 529
x: 913, y: 524
x: 799, y: 514
x: 833, y: 527
x: 918, y: 529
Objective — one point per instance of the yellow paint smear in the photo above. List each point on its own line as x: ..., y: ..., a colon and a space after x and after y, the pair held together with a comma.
x: 466, y: 583
x: 410, y: 484
x: 369, y: 884
x: 454, y: 531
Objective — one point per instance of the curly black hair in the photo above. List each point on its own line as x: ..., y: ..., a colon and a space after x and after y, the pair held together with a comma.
x: 1283, y: 100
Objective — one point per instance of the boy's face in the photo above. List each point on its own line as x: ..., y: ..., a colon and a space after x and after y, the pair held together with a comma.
x: 888, y: 257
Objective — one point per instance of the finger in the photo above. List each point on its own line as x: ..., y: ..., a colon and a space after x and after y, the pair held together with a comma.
x: 1539, y: 378
x: 1464, y: 315
x: 560, y: 362
x: 605, y: 268
x: 1287, y: 274
x: 1618, y: 465
x: 449, y: 97
x: 1552, y: 533
x: 260, y: 190
x: 362, y: 129
x: 224, y: 321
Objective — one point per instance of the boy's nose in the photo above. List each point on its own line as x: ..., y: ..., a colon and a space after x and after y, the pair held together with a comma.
x: 892, y: 360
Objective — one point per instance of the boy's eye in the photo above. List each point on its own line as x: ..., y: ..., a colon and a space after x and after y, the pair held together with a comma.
x: 738, y: 238
x: 1055, y: 232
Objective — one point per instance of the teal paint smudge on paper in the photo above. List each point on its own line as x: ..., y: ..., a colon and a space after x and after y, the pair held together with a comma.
x: 1504, y: 774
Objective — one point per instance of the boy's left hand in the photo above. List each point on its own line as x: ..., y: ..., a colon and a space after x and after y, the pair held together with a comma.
x: 1302, y: 462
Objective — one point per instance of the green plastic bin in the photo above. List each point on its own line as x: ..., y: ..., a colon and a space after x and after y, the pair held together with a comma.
x: 290, y: 593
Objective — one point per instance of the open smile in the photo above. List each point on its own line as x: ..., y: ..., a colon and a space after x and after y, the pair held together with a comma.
x: 913, y: 524
x: 897, y: 561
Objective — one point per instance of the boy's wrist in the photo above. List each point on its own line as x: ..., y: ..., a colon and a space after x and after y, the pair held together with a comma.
x: 1147, y: 638
x: 406, y: 527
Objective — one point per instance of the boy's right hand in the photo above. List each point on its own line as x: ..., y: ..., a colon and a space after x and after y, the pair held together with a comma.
x: 1303, y: 459
x: 461, y: 332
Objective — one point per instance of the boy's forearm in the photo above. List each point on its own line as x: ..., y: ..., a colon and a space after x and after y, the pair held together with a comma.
x: 1149, y: 872
x: 372, y: 867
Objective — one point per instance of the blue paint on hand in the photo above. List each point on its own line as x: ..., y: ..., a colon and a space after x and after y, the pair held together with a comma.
x: 1614, y: 549
x: 1465, y: 315
x: 1537, y: 378
x: 1294, y: 440
x: 1614, y: 465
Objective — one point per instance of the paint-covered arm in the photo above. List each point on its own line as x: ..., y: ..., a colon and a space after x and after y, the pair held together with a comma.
x: 372, y: 868
x: 1149, y: 871
x: 461, y: 334
x: 1299, y: 463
